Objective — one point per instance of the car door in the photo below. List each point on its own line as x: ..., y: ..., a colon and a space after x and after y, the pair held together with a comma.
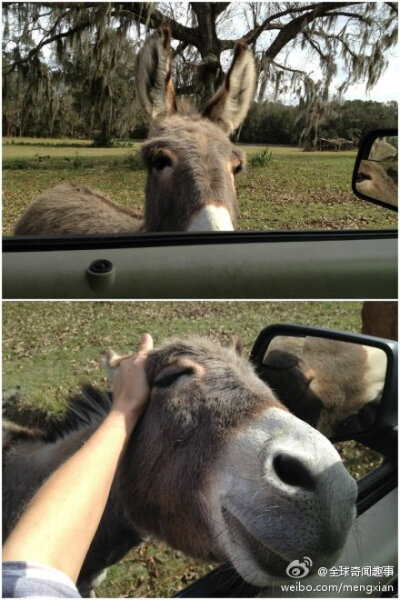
x: 341, y: 264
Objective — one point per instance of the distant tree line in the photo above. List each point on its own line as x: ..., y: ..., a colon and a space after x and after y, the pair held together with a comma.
x: 71, y: 116
x: 277, y: 123
x: 69, y: 101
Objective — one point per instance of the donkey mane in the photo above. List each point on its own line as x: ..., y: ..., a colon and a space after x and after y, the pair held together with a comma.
x: 87, y: 408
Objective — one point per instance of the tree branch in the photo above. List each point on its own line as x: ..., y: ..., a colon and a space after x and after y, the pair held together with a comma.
x: 285, y: 68
x: 266, y: 25
x: 219, y: 7
x: 351, y: 16
x: 35, y: 51
x: 179, y: 49
x: 254, y: 34
x: 394, y: 6
x: 139, y: 12
x: 289, y: 31
x: 155, y: 18
x: 314, y: 44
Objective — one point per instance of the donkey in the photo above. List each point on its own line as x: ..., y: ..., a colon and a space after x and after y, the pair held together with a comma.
x: 374, y: 181
x: 381, y: 149
x: 379, y: 318
x: 217, y: 468
x: 191, y: 162
x: 325, y: 382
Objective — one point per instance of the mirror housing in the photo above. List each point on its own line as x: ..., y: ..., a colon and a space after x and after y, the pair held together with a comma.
x: 376, y: 168
x: 373, y: 425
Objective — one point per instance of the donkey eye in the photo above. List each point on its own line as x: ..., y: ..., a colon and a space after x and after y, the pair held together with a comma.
x: 237, y: 168
x: 362, y: 177
x: 170, y: 378
x: 161, y: 161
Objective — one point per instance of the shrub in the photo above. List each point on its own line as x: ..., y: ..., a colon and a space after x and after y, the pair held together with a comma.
x: 133, y: 162
x: 261, y: 159
x: 20, y: 164
x: 77, y: 162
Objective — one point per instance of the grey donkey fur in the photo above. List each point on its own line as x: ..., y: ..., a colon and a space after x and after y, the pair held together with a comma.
x: 374, y: 181
x: 213, y: 439
x: 190, y: 160
x: 178, y: 434
x: 325, y: 382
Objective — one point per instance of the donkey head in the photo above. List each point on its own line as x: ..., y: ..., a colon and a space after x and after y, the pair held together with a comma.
x: 219, y: 469
x: 190, y: 159
x: 376, y: 183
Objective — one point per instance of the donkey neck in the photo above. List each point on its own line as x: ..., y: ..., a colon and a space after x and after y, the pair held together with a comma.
x: 33, y: 462
x: 28, y: 464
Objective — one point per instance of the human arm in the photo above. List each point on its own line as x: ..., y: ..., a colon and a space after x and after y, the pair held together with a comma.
x: 62, y: 518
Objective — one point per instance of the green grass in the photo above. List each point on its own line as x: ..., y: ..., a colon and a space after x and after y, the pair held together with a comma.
x: 66, y: 142
x: 51, y: 347
x: 294, y: 190
x: 23, y: 141
x: 151, y: 570
x: 31, y: 152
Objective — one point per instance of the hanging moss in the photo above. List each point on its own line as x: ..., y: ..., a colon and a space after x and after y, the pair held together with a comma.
x: 89, y: 58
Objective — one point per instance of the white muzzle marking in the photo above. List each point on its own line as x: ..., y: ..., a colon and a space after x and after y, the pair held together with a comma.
x: 212, y: 218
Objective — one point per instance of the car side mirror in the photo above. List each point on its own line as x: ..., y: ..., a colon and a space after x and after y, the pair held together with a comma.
x: 344, y: 385
x: 376, y: 168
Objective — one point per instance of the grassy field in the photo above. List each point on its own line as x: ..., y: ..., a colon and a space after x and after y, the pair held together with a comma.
x: 29, y: 141
x: 49, y: 348
x: 295, y: 190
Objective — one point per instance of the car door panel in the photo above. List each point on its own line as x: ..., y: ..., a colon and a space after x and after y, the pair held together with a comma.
x: 291, y: 265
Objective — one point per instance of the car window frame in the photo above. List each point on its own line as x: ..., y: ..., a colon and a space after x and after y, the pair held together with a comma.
x: 83, y: 242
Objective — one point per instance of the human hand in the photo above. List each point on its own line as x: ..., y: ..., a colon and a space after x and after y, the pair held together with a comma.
x: 131, y: 388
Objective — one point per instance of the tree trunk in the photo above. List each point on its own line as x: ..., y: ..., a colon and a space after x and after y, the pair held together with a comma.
x: 104, y: 140
x: 210, y: 48
x: 209, y: 79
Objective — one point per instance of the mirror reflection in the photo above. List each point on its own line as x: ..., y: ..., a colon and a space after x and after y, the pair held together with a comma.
x: 377, y: 174
x: 334, y: 386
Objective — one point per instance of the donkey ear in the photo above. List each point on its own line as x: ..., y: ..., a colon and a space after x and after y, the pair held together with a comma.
x: 236, y: 345
x: 110, y: 361
x: 154, y: 76
x: 230, y: 104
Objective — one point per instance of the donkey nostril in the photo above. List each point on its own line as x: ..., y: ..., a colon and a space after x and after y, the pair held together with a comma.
x: 293, y: 472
